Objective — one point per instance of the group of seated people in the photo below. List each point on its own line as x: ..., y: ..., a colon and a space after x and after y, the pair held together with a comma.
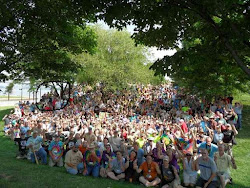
x: 169, y: 148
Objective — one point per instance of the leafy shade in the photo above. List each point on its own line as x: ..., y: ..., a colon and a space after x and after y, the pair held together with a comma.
x: 117, y: 62
x: 37, y: 38
x: 203, y: 69
x: 165, y: 23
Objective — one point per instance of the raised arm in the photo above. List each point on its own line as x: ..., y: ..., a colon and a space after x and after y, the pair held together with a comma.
x: 138, y: 170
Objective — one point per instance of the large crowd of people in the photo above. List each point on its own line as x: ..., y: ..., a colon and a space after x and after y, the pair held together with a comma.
x: 152, y: 135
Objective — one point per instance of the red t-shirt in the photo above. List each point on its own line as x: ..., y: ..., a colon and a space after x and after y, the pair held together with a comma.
x: 184, y: 127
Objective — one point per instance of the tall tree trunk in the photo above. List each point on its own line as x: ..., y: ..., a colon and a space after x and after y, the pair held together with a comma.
x: 236, y: 57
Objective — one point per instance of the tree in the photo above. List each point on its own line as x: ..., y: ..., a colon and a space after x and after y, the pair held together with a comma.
x: 203, y: 69
x: 9, y: 89
x: 117, y: 61
x: 38, y: 38
x: 166, y: 23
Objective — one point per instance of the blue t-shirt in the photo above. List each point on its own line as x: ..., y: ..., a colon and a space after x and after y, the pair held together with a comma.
x: 211, y: 149
x: 117, y: 166
x: 56, y: 148
x: 36, y: 142
x: 24, y: 130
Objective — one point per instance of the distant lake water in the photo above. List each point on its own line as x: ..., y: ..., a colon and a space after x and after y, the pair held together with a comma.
x: 17, y: 90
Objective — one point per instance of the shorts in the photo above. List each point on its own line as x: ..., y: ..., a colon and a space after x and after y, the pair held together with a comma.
x: 225, y: 176
x: 175, y: 183
x: 201, y: 182
x: 116, y: 174
x: 189, y: 179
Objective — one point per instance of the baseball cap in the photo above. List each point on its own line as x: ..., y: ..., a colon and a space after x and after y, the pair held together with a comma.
x: 165, y: 158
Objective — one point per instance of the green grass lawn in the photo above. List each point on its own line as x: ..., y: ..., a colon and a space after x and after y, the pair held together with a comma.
x: 21, y: 173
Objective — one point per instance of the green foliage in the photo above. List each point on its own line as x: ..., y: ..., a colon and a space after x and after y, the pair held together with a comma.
x: 116, y: 62
x: 9, y: 88
x: 38, y: 38
x: 166, y: 23
x: 203, y: 69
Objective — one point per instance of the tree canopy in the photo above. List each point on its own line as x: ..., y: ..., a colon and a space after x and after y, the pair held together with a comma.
x: 165, y: 23
x: 117, y: 61
x: 38, y: 37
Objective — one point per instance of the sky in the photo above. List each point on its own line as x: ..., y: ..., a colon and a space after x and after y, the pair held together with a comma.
x: 156, y: 54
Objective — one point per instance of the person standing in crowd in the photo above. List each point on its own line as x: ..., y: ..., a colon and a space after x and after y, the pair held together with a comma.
x: 22, y: 141
x: 238, y: 110
x: 73, y: 160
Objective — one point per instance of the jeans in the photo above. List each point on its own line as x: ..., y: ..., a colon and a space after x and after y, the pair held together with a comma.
x: 74, y: 171
x: 41, y: 153
x: 94, y: 170
x: 239, y: 126
x: 176, y: 103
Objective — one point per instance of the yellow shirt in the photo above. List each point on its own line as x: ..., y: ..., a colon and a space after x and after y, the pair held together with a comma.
x: 74, y: 158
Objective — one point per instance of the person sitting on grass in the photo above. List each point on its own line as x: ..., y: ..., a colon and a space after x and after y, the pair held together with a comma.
x: 73, y: 160
x: 92, y: 159
x: 130, y: 173
x: 105, y: 160
x: 223, y: 162
x: 35, y: 144
x: 56, y: 152
x: 170, y: 177
x: 22, y: 141
x: 150, y: 170
x: 189, y: 175
x: 117, y: 167
x: 208, y: 170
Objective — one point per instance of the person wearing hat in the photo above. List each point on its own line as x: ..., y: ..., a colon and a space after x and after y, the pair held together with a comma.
x: 35, y: 144
x: 92, y: 160
x: 22, y: 152
x: 56, y: 152
x: 170, y: 177
x: 148, y: 147
x: 73, y: 160
x: 71, y: 140
x: 189, y: 175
